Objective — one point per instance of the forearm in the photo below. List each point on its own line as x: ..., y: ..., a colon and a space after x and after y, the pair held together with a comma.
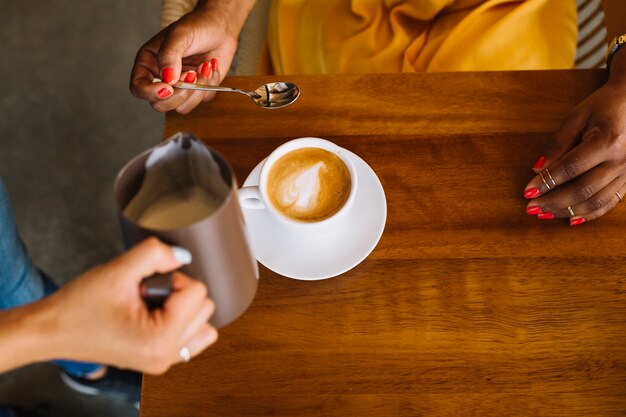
x: 236, y: 11
x: 617, y: 74
x: 615, y: 14
x: 27, y: 335
x: 615, y: 17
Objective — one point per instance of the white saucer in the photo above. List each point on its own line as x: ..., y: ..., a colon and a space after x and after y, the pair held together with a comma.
x: 319, y: 257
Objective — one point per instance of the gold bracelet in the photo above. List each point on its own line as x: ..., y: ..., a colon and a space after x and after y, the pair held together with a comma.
x: 613, y: 47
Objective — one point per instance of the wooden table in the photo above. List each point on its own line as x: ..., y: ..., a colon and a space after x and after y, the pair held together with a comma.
x: 468, y: 306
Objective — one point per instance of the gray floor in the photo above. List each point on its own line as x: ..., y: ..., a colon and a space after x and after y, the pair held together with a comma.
x: 67, y: 124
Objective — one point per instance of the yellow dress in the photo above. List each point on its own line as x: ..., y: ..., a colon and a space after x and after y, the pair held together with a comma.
x: 366, y: 36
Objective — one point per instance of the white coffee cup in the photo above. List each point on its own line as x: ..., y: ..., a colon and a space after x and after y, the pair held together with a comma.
x: 256, y: 197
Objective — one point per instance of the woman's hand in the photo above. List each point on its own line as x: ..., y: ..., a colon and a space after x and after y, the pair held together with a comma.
x: 199, y: 47
x: 582, y: 174
x: 189, y: 50
x: 101, y: 317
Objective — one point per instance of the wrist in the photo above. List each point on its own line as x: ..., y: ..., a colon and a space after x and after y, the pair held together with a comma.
x: 28, y: 334
x: 615, y: 58
x: 235, y: 12
x: 617, y: 70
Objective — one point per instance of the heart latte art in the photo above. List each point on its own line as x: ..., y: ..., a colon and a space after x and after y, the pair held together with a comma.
x: 308, y: 184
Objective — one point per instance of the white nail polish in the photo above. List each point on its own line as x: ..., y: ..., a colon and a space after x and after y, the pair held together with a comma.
x: 182, y: 255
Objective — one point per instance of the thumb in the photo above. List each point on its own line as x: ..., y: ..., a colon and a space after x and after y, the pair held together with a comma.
x: 171, y: 54
x: 149, y: 257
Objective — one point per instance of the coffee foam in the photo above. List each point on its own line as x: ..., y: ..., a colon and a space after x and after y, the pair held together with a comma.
x: 300, y: 189
x: 308, y: 184
x: 178, y: 209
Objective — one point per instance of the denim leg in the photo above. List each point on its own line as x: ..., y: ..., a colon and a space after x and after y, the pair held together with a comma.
x: 6, y: 412
x: 20, y: 281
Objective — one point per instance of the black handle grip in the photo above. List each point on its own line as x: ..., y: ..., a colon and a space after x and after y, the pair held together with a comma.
x: 155, y: 289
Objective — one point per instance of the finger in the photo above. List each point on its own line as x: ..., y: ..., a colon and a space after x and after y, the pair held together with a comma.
x: 575, y: 193
x: 185, y: 301
x: 564, y: 139
x: 204, y: 70
x: 180, y: 96
x: 156, y: 92
x: 142, y: 85
x: 213, y: 78
x: 172, y: 101
x: 575, y: 163
x: 205, y: 74
x: 202, y: 339
x: 171, y: 54
x: 190, y: 77
x: 149, y: 257
x: 199, y: 319
x: 602, y: 203
x: 145, y: 69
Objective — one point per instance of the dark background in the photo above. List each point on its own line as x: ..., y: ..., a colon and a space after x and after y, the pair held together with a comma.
x: 67, y: 124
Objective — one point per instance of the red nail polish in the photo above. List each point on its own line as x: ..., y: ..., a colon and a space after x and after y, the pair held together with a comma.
x: 532, y: 210
x: 576, y: 222
x: 539, y: 163
x: 168, y: 75
x: 214, y: 64
x: 205, y: 69
x: 532, y: 192
x: 190, y: 77
x: 164, y: 92
x: 545, y: 216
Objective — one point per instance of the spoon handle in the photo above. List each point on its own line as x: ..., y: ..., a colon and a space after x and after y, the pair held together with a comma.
x: 205, y: 87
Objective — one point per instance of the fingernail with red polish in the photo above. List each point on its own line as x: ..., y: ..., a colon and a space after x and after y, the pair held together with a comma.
x: 539, y: 163
x: 205, y: 69
x: 545, y: 216
x: 577, y: 221
x: 214, y: 64
x: 532, y: 210
x: 164, y: 93
x: 168, y: 75
x: 190, y: 77
x: 532, y: 192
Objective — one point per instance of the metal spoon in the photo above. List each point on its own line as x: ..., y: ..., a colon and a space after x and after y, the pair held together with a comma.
x: 268, y: 96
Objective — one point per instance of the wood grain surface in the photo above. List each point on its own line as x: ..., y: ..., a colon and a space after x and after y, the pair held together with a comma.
x: 467, y: 307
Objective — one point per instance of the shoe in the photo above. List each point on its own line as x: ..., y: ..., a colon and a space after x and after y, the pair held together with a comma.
x: 7, y: 412
x: 38, y: 411
x: 118, y: 383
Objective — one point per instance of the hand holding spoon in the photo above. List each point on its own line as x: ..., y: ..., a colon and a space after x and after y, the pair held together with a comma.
x: 268, y: 96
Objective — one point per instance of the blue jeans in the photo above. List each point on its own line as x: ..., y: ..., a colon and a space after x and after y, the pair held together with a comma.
x: 20, y: 281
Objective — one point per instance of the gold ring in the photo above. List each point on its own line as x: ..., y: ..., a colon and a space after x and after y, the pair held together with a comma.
x: 571, y: 212
x: 544, y: 181
x: 618, y: 196
x: 551, y: 179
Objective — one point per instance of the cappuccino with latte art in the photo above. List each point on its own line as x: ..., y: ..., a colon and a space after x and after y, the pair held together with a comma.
x: 308, y: 184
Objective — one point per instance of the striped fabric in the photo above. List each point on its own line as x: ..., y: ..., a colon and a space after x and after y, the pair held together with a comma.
x: 592, y: 34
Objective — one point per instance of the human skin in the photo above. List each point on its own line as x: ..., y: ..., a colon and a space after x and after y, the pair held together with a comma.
x: 185, y: 50
x: 586, y: 157
x: 100, y: 317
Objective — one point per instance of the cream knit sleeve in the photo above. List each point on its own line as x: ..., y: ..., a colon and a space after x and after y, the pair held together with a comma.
x: 172, y: 10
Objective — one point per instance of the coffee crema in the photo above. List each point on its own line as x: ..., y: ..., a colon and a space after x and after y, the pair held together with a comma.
x: 308, y: 184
